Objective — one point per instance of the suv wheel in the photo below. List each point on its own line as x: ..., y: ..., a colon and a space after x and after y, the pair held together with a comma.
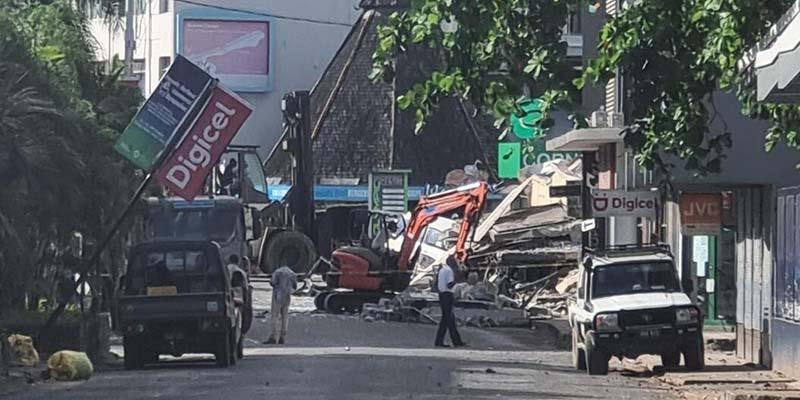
x: 694, y: 355
x: 578, y: 355
x: 223, y: 353
x: 671, y: 360
x: 596, y: 360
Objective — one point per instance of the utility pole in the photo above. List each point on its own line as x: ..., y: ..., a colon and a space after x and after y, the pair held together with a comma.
x: 297, y: 121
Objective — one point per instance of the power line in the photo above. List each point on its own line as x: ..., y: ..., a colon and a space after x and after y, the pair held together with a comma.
x: 298, y: 19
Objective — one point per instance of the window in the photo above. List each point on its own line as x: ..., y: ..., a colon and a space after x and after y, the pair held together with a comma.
x: 163, y: 6
x: 163, y: 65
x: 620, y: 279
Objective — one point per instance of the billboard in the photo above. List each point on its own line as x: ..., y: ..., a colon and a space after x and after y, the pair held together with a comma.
x: 165, y: 114
x: 185, y: 171
x: 234, y: 49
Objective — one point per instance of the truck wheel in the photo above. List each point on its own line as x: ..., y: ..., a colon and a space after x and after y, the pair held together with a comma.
x: 671, y: 360
x: 223, y: 354
x: 289, y: 248
x: 578, y: 355
x: 133, y: 353
x: 694, y: 355
x: 596, y: 360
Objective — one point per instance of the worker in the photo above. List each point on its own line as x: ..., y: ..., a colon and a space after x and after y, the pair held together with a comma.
x: 445, y: 281
x: 284, y: 283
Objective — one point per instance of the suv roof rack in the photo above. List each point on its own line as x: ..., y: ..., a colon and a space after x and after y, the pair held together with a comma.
x: 630, y: 249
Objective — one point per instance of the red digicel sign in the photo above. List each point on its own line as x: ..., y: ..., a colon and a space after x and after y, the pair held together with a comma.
x: 185, y: 171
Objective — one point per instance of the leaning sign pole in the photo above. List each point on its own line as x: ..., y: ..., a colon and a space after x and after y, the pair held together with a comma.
x: 187, y: 99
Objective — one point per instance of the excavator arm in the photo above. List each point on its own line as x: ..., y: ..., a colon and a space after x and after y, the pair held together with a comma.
x: 472, y: 198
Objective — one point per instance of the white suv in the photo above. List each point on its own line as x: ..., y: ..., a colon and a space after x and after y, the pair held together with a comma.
x: 629, y: 302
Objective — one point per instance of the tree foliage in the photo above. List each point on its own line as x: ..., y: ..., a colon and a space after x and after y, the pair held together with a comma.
x: 674, y: 56
x: 493, y: 53
x: 59, y: 116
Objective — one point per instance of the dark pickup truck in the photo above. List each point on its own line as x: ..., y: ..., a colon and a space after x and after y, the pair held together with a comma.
x: 180, y: 297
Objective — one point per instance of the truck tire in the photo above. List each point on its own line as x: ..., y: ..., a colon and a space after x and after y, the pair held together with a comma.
x: 222, y: 355
x: 133, y: 353
x: 292, y: 249
x: 578, y: 355
x: 694, y: 355
x: 596, y: 360
x: 671, y: 360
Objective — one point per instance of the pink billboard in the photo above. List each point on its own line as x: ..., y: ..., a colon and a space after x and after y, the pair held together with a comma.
x: 236, y: 52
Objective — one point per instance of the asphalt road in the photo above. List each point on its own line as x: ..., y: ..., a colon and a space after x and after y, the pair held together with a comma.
x: 341, y: 357
x: 335, y: 357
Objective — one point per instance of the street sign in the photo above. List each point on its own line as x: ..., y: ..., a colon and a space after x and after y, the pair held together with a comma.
x: 570, y: 189
x: 388, y: 191
x: 588, y: 225
x: 621, y: 203
x: 185, y: 171
x: 540, y: 155
x: 165, y: 115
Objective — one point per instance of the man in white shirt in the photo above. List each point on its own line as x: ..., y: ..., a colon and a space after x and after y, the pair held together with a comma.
x: 284, y: 283
x: 445, y: 281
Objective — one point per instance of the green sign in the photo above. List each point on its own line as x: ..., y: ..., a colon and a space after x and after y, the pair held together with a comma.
x: 388, y: 191
x: 541, y: 155
x: 527, y: 126
x: 508, y: 160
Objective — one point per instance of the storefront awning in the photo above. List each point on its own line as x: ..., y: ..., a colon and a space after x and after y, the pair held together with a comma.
x: 588, y: 139
x: 777, y: 60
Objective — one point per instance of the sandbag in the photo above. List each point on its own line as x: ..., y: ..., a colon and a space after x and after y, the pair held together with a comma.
x: 69, y: 365
x: 22, y: 351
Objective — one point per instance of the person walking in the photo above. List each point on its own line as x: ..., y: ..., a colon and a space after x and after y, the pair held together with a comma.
x: 445, y: 281
x: 284, y: 283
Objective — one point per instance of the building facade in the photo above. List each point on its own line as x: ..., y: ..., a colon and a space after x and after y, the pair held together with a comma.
x: 259, y: 49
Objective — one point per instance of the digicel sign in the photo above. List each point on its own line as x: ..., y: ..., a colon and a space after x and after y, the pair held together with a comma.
x: 619, y: 203
x: 185, y: 171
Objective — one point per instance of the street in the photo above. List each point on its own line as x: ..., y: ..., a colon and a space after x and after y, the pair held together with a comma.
x: 342, y: 357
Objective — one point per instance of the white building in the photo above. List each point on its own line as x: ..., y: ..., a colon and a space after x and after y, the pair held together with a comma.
x: 260, y: 49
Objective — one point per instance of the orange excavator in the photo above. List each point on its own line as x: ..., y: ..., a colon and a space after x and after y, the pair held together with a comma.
x: 360, y: 274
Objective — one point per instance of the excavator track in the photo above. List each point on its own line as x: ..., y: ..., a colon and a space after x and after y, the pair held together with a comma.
x: 344, y: 302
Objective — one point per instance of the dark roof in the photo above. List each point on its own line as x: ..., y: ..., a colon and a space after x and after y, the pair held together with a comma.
x: 357, y: 126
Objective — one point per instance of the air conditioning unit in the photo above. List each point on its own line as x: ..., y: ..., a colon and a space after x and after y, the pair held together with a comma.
x: 599, y: 119
x: 615, y: 120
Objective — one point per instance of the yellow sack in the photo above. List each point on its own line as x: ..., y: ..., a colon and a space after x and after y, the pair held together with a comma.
x: 69, y: 365
x: 24, y: 352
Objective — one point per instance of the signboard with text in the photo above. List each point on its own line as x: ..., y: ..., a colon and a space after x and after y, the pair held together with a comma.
x: 621, y: 203
x: 185, y: 171
x: 165, y: 115
x: 231, y: 46
x: 701, y: 213
x: 388, y: 191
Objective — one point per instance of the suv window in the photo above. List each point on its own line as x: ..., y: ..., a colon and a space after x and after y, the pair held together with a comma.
x: 629, y: 278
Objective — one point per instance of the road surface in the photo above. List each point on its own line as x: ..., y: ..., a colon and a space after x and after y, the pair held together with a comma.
x: 341, y: 357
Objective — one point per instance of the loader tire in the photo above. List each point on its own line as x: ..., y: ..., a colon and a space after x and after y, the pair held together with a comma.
x: 292, y: 249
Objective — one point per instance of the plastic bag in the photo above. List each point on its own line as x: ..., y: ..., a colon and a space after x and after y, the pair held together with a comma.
x: 23, y: 351
x: 69, y: 365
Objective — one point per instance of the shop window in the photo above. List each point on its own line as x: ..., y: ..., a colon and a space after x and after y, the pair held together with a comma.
x: 163, y: 65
